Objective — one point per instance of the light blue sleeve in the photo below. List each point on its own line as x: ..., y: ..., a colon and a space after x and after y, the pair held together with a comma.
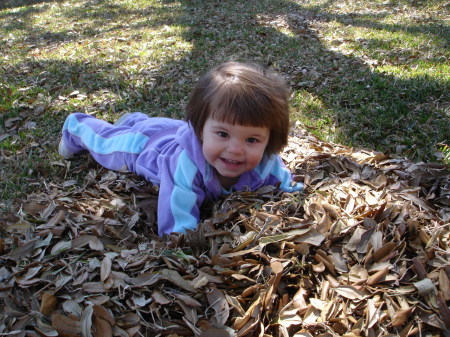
x: 280, y: 171
x: 180, y: 199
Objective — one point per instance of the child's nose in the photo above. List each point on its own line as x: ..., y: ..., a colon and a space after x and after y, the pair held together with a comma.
x: 235, y: 147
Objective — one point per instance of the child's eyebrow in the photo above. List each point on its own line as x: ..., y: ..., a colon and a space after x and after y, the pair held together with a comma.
x: 257, y: 135
x: 220, y: 125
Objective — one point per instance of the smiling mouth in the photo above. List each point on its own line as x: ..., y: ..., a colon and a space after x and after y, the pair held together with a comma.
x: 231, y: 162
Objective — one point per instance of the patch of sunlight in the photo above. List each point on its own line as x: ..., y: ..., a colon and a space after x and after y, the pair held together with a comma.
x: 312, y: 113
x: 283, y: 23
x: 139, y: 4
x: 361, y: 35
x: 402, y: 52
x: 124, y: 48
x: 372, y: 39
x: 437, y: 72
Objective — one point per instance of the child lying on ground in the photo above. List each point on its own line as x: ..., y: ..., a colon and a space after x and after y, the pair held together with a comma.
x: 237, y: 122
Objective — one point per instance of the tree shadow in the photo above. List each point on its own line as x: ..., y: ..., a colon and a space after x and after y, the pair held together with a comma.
x: 8, y: 4
x: 365, y: 106
x: 428, y: 27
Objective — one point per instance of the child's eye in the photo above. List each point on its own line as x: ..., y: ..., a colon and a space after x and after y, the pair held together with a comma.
x: 252, y: 140
x: 222, y: 134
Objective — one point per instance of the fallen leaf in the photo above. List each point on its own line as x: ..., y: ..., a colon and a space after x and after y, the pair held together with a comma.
x: 48, y: 303
x: 66, y: 325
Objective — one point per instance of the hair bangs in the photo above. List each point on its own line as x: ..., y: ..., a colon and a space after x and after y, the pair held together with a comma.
x: 239, y: 106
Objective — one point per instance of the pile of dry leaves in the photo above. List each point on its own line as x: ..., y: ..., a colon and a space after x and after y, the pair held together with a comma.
x: 364, y: 252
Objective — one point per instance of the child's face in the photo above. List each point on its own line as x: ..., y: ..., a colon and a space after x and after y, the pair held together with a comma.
x: 233, y: 149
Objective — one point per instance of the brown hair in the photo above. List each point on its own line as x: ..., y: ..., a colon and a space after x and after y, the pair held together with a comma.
x: 244, y: 94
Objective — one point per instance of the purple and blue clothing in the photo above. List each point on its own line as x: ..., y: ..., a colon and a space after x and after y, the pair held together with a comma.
x: 167, y: 153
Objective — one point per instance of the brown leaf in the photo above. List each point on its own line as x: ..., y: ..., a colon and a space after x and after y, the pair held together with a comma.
x: 104, y: 314
x: 323, y: 258
x: 160, y: 298
x: 86, y: 322
x: 384, y: 251
x: 93, y: 287
x: 81, y: 241
x: 72, y: 308
x: 25, y: 250
x: 420, y: 269
x: 318, y: 268
x: 372, y: 314
x: 61, y: 246
x: 379, y: 276
x: 444, y: 284
x: 170, y: 275
x: 65, y: 325
x: 105, y: 268
x: 299, y: 299
x: 349, y: 292
x: 48, y: 303
x: 401, y: 316
x: 285, y: 236
x: 252, y: 311
x: 219, y: 304
x: 444, y: 310
x: 95, y: 244
x: 102, y: 328
x: 128, y: 320
x: 240, y: 277
x: 217, y: 331
x: 190, y: 315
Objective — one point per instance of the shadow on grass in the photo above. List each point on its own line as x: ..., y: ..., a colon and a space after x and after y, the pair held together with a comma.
x: 428, y: 28
x: 368, y: 108
x: 4, y: 4
x: 365, y: 107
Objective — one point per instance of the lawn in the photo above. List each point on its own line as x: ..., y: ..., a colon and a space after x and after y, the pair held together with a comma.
x: 370, y: 97
x: 372, y: 75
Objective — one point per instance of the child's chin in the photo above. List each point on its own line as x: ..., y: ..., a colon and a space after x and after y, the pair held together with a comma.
x: 228, y: 174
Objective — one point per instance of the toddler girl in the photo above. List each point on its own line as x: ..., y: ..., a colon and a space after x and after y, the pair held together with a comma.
x: 237, y: 122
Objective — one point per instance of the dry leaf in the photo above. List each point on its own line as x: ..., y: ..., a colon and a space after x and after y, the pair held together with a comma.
x: 401, y: 316
x: 105, y: 268
x: 378, y: 277
x: 66, y: 325
x: 425, y: 286
x: 102, y: 328
x: 444, y: 284
x: 219, y: 304
x: 104, y: 314
x: 48, y: 303
x: 349, y: 292
x: 72, y: 308
x: 86, y: 322
x: 159, y: 298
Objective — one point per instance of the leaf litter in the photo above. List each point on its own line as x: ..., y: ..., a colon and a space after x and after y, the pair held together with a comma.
x: 362, y: 252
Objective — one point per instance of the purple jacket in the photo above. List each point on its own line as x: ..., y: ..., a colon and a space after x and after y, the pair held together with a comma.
x: 167, y: 153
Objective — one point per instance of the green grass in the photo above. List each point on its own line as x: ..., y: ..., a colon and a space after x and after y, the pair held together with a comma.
x: 371, y: 74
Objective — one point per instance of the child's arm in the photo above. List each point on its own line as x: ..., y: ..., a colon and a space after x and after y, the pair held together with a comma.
x: 284, y: 176
x: 180, y: 196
